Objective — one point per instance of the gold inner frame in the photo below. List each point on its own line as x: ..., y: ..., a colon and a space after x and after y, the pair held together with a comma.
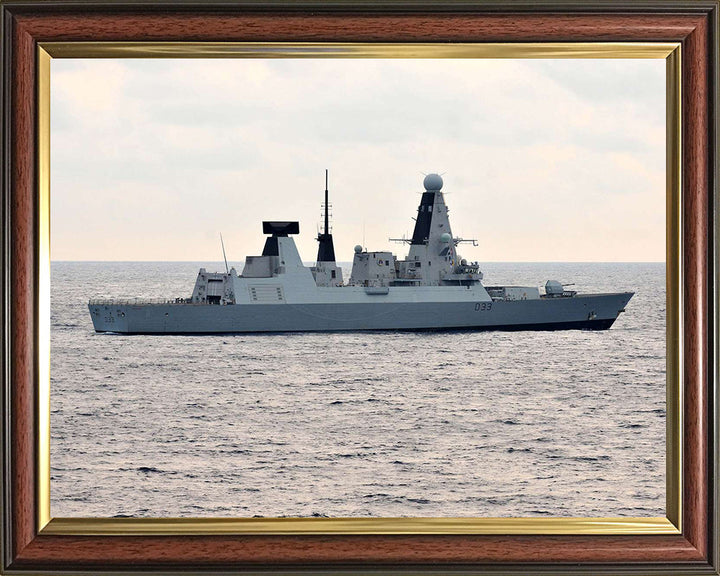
x: 671, y: 524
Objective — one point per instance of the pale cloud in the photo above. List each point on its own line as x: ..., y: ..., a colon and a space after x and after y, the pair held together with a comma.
x: 93, y: 92
x: 544, y: 160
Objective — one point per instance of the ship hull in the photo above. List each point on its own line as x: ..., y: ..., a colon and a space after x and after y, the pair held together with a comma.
x: 585, y: 312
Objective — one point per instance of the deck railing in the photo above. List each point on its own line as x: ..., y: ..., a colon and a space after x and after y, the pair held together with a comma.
x: 142, y: 302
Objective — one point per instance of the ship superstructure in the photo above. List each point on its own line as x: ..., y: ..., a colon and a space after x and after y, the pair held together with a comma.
x: 326, y: 271
x: 431, y: 288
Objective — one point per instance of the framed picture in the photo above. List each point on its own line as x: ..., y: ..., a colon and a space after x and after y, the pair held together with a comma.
x: 681, y: 35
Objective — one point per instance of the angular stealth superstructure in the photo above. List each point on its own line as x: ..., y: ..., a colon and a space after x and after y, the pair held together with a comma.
x: 431, y: 289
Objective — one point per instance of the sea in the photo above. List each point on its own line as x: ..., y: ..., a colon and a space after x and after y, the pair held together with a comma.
x: 378, y: 424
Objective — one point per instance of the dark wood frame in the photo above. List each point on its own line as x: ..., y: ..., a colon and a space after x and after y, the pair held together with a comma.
x: 692, y: 23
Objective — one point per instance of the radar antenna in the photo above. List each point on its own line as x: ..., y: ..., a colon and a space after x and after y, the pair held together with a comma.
x: 457, y: 240
x: 224, y: 257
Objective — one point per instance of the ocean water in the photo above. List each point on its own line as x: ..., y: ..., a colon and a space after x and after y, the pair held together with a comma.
x: 449, y: 424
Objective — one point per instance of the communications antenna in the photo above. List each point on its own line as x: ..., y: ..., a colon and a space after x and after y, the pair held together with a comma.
x: 224, y: 257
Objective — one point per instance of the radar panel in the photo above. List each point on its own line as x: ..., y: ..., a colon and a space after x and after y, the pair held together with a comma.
x: 281, y: 228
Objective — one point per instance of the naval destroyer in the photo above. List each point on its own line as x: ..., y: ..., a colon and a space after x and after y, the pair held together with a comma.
x: 432, y: 288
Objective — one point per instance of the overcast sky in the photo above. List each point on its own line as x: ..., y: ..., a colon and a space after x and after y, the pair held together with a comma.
x: 543, y: 160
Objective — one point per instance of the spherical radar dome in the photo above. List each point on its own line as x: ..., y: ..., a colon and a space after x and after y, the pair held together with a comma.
x: 358, y: 249
x: 433, y: 182
x: 445, y: 238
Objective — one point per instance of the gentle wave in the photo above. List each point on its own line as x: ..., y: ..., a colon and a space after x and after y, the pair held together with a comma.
x: 351, y: 424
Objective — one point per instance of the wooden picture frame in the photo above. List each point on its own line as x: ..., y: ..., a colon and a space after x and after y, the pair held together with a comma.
x: 687, y: 542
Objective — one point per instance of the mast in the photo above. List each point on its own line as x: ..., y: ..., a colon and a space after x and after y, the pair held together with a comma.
x: 326, y: 203
x: 326, y: 249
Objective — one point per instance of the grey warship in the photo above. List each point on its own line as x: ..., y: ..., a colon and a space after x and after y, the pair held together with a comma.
x: 433, y: 288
